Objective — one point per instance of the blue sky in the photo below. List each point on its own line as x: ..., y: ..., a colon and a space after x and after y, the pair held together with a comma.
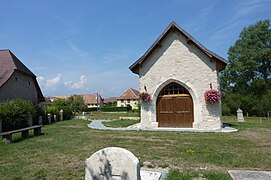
x: 87, y: 46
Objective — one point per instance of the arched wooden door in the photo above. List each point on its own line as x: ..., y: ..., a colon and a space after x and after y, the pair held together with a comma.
x: 174, y: 107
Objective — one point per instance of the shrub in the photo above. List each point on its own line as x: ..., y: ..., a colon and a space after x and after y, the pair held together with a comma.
x: 85, y: 109
x: 115, y: 109
x: 57, y: 105
x: 15, y: 114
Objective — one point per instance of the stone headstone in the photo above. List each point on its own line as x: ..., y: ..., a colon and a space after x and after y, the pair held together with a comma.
x: 40, y: 120
x: 112, y: 163
x: 30, y: 121
x: 61, y: 114
x: 240, y: 117
x: 49, y: 118
x: 55, y: 118
x: 0, y: 125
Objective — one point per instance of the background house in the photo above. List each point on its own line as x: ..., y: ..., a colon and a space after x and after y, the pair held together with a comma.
x: 53, y: 98
x: 92, y: 100
x: 129, y: 97
x: 16, y: 80
x: 110, y: 101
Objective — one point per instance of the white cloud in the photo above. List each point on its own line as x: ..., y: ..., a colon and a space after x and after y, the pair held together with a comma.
x: 77, y: 85
x: 49, y: 83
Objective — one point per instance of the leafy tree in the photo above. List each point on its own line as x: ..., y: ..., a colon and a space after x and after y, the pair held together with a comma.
x: 247, y: 78
x: 59, y: 104
x: 76, y: 102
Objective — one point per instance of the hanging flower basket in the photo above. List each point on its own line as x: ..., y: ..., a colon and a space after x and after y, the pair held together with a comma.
x: 212, y: 96
x: 145, y: 97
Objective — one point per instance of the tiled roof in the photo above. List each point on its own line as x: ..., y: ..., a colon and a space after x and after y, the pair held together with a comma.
x: 91, y: 98
x: 9, y: 63
x: 130, y: 94
x: 59, y: 97
x: 111, y: 99
x: 172, y: 27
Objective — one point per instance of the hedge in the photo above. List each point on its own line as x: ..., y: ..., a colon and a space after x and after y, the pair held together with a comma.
x: 85, y: 109
x: 15, y: 114
x: 115, y: 109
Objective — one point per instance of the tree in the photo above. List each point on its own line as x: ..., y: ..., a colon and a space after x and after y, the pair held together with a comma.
x: 248, y: 74
x: 76, y: 102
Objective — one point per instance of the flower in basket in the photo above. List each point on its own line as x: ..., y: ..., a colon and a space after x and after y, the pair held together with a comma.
x: 145, y: 97
x: 212, y: 96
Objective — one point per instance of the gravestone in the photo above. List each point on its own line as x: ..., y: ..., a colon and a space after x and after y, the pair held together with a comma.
x: 61, y: 114
x: 55, y: 118
x: 40, y: 120
x: 240, y: 117
x: 49, y: 118
x: 112, y: 163
x: 0, y: 125
x: 30, y: 121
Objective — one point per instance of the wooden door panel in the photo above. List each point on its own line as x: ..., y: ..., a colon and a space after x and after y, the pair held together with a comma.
x: 175, y: 111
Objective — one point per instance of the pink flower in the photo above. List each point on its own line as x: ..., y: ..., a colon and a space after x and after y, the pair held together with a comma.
x: 212, y: 96
x: 145, y: 97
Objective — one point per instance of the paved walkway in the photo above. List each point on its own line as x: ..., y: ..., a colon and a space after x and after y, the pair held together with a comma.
x: 97, y: 124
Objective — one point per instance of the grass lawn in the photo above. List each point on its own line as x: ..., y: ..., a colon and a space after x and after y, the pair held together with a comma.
x: 120, y: 123
x: 60, y: 153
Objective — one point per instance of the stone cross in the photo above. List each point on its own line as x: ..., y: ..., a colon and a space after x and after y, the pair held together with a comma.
x: 112, y: 163
x: 0, y: 125
x: 61, y: 114
x: 49, y: 118
x: 240, y: 117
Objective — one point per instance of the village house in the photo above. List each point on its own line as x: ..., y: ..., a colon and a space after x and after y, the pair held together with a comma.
x: 109, y: 101
x: 177, y: 71
x: 53, y: 98
x: 129, y: 97
x: 17, y: 81
x: 92, y: 100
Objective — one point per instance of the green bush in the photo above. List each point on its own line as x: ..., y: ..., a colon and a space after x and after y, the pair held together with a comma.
x: 57, y: 105
x: 86, y: 109
x: 115, y: 109
x: 15, y: 114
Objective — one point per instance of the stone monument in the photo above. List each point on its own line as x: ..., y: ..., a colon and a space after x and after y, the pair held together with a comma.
x: 61, y: 114
x: 40, y: 120
x: 55, y: 118
x: 240, y: 117
x: 30, y: 121
x: 49, y: 118
x: 112, y: 163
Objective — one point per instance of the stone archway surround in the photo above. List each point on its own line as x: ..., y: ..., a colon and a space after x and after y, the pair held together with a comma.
x: 196, y: 104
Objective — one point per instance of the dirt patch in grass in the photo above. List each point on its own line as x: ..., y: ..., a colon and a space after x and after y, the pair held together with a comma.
x: 260, y: 137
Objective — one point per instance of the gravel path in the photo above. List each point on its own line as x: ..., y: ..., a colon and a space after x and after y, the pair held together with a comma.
x: 98, y: 124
